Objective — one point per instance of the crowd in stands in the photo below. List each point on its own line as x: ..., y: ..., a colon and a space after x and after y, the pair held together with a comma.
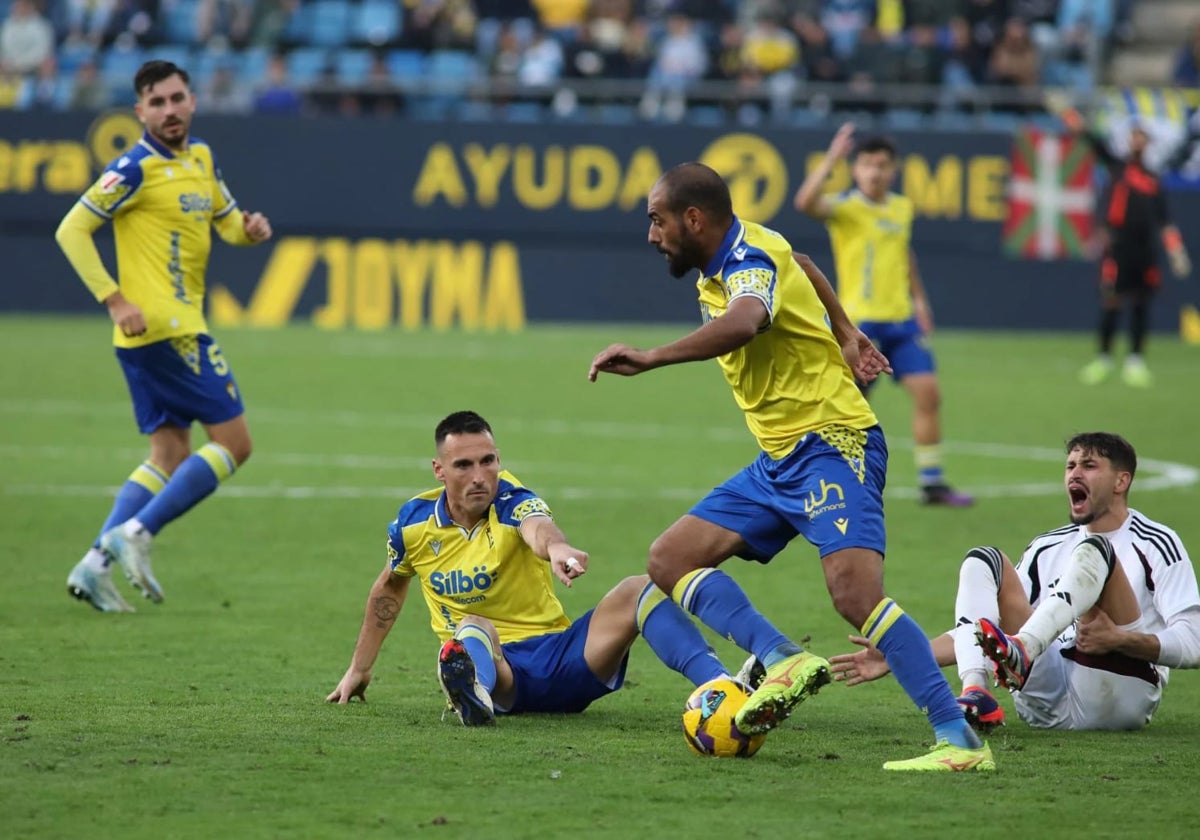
x: 662, y: 56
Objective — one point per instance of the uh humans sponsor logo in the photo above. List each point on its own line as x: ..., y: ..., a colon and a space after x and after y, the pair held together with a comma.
x: 463, y: 587
x: 831, y: 498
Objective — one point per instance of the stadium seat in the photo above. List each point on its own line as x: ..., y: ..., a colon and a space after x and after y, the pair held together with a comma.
x: 305, y: 64
x: 178, y: 21
x: 406, y: 66
x: 252, y: 64
x: 524, y: 112
x: 329, y: 25
x: 352, y: 65
x: 178, y: 55
x: 117, y: 67
x: 376, y: 22
x: 953, y: 121
x: 999, y: 121
x: 70, y: 56
x: 614, y: 113
x: 705, y: 115
x: 451, y: 72
x: 430, y: 109
x: 472, y: 110
x: 904, y: 119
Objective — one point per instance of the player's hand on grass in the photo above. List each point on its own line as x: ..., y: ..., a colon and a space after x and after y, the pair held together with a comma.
x: 843, y: 142
x: 621, y: 360
x: 864, y: 358
x: 126, y: 315
x: 567, y: 562
x: 854, y: 668
x: 353, y: 684
x: 257, y: 226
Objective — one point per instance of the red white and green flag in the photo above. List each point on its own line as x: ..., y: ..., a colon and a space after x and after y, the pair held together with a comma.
x: 1051, y: 197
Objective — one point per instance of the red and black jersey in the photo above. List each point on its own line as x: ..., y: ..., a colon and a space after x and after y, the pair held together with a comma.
x: 1133, y: 206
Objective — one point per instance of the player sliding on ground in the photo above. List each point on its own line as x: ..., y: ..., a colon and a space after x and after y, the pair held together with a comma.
x: 1086, y: 628
x: 486, y: 551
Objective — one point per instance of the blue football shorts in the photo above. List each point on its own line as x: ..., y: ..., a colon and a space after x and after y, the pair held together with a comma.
x: 829, y: 489
x: 551, y: 674
x: 178, y: 381
x: 903, y: 343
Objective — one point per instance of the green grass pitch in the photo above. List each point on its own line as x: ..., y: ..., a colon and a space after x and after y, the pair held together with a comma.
x: 204, y: 717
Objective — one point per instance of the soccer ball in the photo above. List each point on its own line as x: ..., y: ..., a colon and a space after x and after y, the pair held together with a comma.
x: 708, y: 721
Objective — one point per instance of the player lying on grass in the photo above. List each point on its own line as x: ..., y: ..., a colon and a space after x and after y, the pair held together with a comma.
x: 486, y: 551
x: 1085, y: 629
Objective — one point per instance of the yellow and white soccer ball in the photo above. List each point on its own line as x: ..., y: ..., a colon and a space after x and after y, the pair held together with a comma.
x: 708, y: 721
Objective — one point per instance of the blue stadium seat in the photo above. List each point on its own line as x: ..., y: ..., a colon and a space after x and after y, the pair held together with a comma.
x: 178, y: 21
x: 252, y: 64
x: 406, y: 66
x: 70, y: 56
x: 330, y: 23
x: 953, y: 121
x: 376, y: 22
x: 472, y: 110
x: 352, y: 65
x: 805, y: 118
x: 452, y: 72
x: 524, y: 112
x: 435, y: 109
x: 903, y: 119
x: 999, y: 121
x: 117, y: 67
x: 178, y: 55
x: 614, y: 113
x: 705, y: 115
x: 305, y: 64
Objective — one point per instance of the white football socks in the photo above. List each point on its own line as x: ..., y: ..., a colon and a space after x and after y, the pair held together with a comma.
x: 1076, y: 592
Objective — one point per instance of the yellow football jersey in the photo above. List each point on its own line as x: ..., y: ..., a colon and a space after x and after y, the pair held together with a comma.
x: 871, y: 254
x: 489, y: 571
x: 791, y: 378
x: 162, y: 205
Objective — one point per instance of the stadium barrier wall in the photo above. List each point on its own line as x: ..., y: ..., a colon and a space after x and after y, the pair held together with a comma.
x: 492, y: 226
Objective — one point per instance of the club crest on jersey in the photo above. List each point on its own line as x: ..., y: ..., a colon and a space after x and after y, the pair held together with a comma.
x: 436, y: 545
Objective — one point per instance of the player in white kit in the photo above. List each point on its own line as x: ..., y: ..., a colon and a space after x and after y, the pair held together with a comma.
x: 1086, y: 627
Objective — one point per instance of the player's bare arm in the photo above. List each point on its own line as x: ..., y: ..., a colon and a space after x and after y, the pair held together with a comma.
x: 863, y: 357
x: 868, y: 664
x: 383, y: 606
x: 548, y: 541
x: 921, y: 308
x: 1177, y: 255
x: 1098, y: 635
x: 722, y: 335
x: 810, y: 198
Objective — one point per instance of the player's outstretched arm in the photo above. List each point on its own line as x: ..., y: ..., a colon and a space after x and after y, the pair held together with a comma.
x: 864, y: 358
x: 1177, y: 255
x: 722, y: 335
x: 810, y: 198
x: 547, y: 541
x: 868, y: 664
x: 383, y: 606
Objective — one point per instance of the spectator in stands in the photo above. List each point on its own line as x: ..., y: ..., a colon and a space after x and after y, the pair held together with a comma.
x: 379, y: 95
x: 927, y: 36
x: 542, y: 62
x: 875, y: 62
x: 89, y: 93
x: 1015, y: 62
x: 506, y: 59
x: 269, y: 20
x: 222, y: 94
x: 984, y: 20
x: 278, y: 96
x: 1187, y: 64
x: 133, y: 21
x: 1084, y: 30
x: 845, y: 21
x: 562, y: 18
x: 26, y: 39
x: 816, y: 50
x: 227, y: 21
x: 682, y: 56
x: 769, y: 49
x: 44, y: 91
x: 439, y: 25
x: 88, y: 20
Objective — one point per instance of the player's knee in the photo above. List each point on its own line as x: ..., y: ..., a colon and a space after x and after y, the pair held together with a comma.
x: 1102, y: 545
x: 993, y: 558
x: 240, y: 448
x: 472, y: 620
x: 662, y: 565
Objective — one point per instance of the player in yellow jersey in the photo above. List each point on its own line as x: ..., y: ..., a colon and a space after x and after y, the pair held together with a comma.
x: 870, y: 228
x: 163, y: 196
x: 485, y: 552
x: 820, y: 473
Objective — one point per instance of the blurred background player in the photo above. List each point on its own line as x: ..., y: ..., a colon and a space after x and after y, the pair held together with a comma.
x: 870, y: 229
x: 486, y: 550
x: 820, y: 470
x: 1134, y: 218
x: 1098, y: 610
x: 162, y: 196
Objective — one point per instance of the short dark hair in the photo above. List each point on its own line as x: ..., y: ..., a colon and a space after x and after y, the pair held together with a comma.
x: 1107, y: 445
x: 460, y: 423
x: 878, y: 143
x: 153, y: 72
x: 693, y: 184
